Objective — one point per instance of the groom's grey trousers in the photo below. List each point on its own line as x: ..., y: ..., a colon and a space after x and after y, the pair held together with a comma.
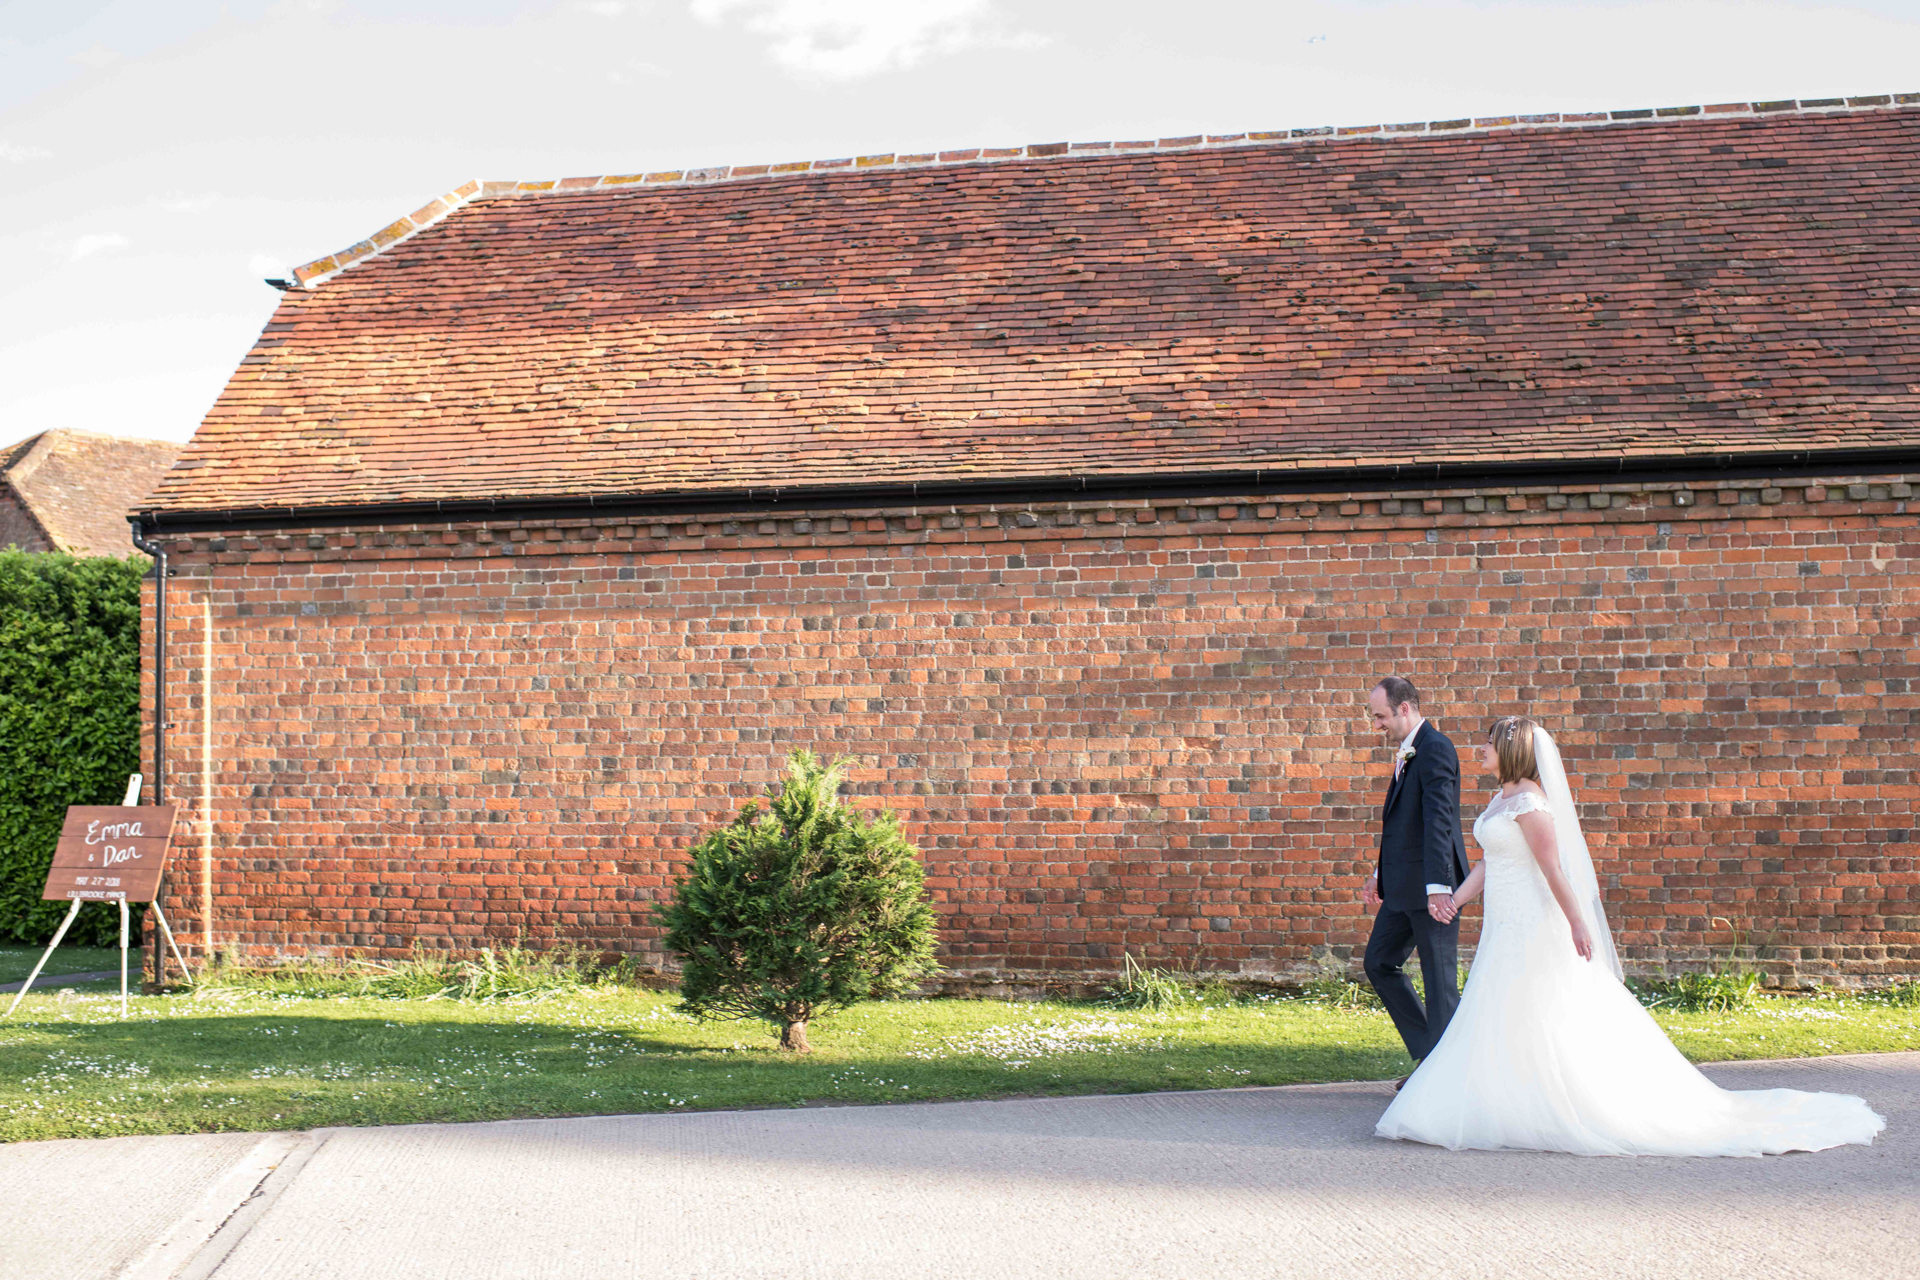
x: 1397, y: 935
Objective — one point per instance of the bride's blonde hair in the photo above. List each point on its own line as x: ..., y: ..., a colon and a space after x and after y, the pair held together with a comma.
x: 1512, y: 739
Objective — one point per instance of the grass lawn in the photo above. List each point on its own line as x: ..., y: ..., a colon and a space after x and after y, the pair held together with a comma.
x: 234, y: 1059
x: 17, y: 962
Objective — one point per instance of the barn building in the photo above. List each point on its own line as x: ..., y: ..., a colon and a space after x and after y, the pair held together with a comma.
x: 1080, y: 493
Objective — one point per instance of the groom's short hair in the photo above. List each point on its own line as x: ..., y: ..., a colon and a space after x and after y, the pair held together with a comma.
x: 1399, y: 691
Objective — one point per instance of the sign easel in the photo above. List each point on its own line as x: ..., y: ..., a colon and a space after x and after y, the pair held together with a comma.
x: 109, y: 853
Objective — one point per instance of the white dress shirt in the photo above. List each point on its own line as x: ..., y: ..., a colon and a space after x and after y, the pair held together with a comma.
x: 1397, y: 766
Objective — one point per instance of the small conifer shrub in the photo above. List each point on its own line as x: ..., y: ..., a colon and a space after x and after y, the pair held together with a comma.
x: 805, y: 907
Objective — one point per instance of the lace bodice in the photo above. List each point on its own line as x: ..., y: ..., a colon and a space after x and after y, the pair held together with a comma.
x: 1516, y: 892
x: 1509, y: 807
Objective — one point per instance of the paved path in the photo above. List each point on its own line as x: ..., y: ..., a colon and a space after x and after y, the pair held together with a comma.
x: 70, y: 979
x: 1217, y: 1185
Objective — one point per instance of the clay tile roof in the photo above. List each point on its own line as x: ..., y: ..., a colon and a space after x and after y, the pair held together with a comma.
x: 1738, y: 280
x: 81, y: 487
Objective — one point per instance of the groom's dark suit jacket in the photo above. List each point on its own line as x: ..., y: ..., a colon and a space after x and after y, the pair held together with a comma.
x: 1420, y: 839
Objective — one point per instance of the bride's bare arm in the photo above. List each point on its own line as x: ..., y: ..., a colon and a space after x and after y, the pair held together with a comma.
x: 1538, y: 829
x: 1470, y: 887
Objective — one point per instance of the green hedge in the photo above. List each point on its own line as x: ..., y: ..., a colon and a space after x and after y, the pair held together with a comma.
x: 69, y: 721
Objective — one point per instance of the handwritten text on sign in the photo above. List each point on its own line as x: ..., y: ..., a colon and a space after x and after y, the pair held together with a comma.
x: 110, y: 852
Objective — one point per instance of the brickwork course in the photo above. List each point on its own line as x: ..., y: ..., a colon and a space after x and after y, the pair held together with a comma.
x: 1079, y: 493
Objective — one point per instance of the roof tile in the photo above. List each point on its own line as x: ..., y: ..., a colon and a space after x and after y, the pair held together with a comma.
x: 1398, y: 300
x: 81, y: 486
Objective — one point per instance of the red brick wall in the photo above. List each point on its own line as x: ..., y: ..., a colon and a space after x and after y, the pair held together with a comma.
x: 1134, y: 727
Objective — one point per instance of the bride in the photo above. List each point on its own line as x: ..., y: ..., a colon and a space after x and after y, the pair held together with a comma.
x: 1548, y: 1051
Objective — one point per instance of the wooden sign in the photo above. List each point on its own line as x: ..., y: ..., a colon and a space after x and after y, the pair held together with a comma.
x: 110, y: 853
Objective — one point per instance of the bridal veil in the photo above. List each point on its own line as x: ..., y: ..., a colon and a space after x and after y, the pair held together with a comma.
x: 1576, y: 863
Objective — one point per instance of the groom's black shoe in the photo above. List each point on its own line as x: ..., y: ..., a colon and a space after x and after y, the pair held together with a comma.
x: 1401, y: 1083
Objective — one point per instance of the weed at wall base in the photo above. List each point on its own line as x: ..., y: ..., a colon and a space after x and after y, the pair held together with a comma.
x: 511, y: 972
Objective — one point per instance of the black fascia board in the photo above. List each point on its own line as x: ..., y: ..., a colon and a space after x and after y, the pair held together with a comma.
x: 974, y: 493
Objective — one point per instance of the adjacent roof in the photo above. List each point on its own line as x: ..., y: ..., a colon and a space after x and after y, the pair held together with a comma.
x: 1739, y: 282
x: 80, y: 486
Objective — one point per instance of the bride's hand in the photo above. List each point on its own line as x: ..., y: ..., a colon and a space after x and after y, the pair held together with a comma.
x: 1582, y: 940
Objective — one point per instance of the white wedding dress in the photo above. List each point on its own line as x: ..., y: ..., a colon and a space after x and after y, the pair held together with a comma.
x: 1550, y: 1052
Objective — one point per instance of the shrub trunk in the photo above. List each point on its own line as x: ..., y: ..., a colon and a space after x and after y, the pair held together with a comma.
x: 793, y: 1037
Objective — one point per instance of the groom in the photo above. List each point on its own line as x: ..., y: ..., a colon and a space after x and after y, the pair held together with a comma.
x: 1423, y: 859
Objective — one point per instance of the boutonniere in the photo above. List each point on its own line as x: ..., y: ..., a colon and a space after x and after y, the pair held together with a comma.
x: 1403, y: 755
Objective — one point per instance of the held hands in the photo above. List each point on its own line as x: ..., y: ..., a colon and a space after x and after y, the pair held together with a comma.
x: 1582, y: 940
x: 1440, y: 906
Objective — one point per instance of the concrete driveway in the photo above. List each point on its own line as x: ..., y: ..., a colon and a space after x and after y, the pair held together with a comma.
x: 1235, y: 1183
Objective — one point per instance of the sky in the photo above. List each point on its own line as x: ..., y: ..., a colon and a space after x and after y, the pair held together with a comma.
x: 159, y: 158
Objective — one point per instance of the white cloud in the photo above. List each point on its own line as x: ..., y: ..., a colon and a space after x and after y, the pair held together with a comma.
x: 14, y: 153
x: 87, y: 246
x: 266, y: 266
x: 608, y: 8
x: 848, y: 39
x: 179, y: 203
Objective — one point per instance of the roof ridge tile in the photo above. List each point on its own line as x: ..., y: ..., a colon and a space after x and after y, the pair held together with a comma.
x: 425, y: 216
